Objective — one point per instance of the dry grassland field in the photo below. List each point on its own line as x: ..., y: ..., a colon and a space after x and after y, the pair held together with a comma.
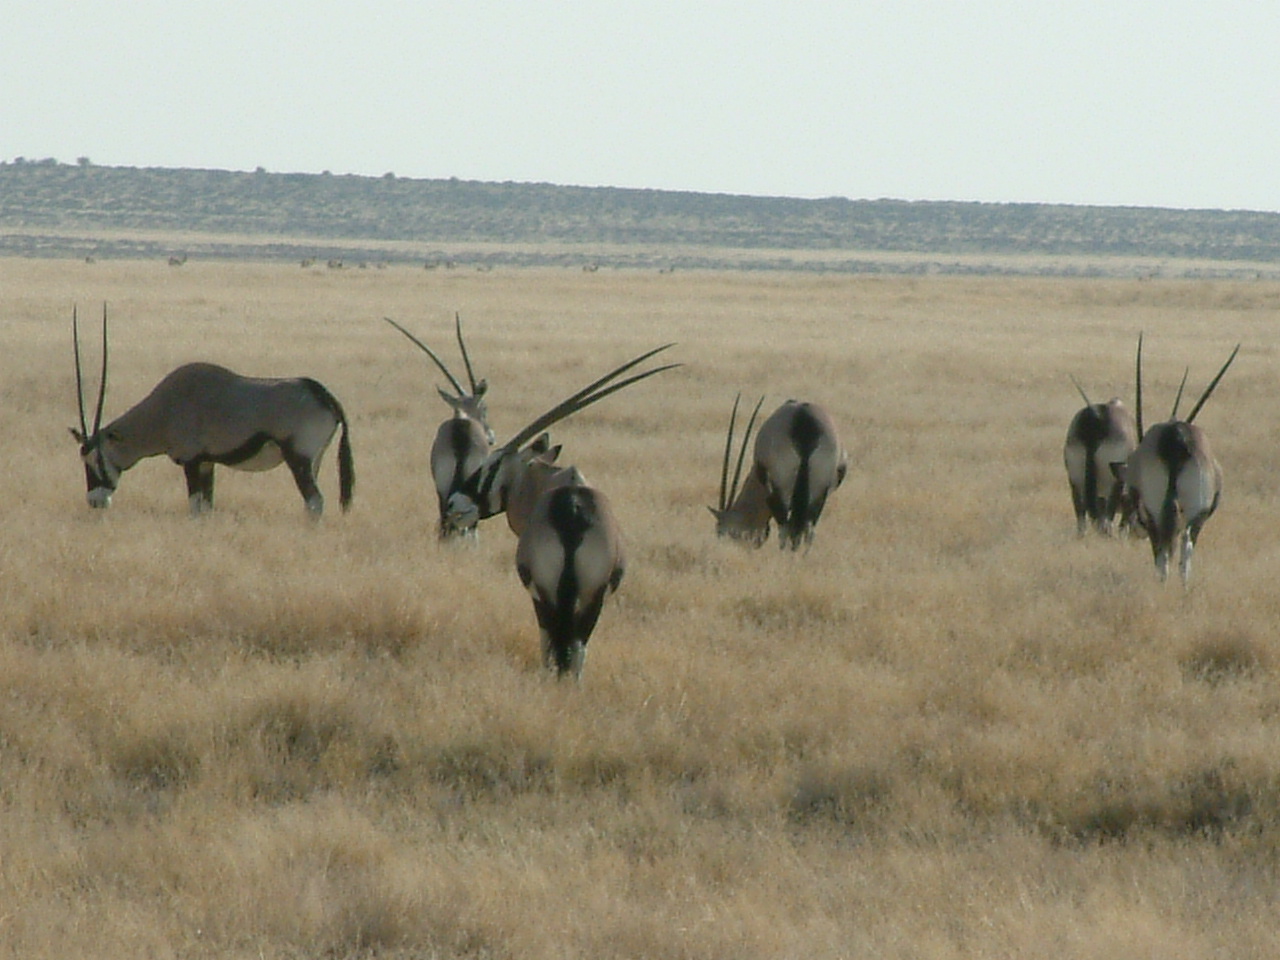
x: 951, y: 729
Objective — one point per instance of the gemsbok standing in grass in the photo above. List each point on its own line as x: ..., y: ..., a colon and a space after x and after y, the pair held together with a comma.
x: 1173, y: 478
x: 569, y: 555
x: 569, y: 558
x: 797, y: 462
x: 202, y: 415
x: 464, y: 440
x: 1100, y: 435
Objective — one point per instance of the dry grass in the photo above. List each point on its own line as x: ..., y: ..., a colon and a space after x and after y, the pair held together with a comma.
x: 950, y: 730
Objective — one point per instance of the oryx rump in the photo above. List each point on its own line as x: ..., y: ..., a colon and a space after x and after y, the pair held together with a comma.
x: 569, y: 558
x: 461, y: 442
x: 1173, y: 478
x: 797, y: 461
x: 1100, y: 436
x: 202, y: 415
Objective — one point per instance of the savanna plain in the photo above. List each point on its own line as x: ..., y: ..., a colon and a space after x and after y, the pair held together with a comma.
x: 950, y: 729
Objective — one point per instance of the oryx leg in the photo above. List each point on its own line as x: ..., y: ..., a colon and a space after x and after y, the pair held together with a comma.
x: 304, y: 475
x: 199, y: 475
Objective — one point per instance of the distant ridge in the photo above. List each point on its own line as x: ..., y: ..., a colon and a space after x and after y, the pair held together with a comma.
x: 58, y: 209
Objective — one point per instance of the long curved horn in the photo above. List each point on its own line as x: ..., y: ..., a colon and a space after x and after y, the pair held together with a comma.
x: 1081, y: 389
x: 742, y: 453
x: 728, y: 451
x: 584, y: 398
x: 430, y: 353
x: 457, y: 326
x: 102, y: 387
x: 1178, y: 399
x: 75, y: 339
x: 1138, y: 389
x: 1209, y: 389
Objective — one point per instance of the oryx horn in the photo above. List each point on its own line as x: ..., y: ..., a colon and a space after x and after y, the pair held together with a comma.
x: 728, y: 493
x: 596, y: 390
x: 1208, y: 390
x: 1177, y: 401
x: 432, y: 354
x: 1081, y: 389
x: 102, y: 386
x: 476, y: 388
x: 1137, y: 399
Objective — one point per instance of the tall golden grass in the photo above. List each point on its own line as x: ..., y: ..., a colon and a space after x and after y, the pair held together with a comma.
x: 950, y: 730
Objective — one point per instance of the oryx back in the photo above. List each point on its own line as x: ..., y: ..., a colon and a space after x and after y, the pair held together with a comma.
x: 569, y: 558
x: 798, y: 461
x: 1100, y: 435
x: 539, y: 477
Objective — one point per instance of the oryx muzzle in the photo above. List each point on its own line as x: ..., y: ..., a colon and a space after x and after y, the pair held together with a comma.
x: 202, y: 415
x: 487, y: 491
x: 1173, y: 478
x: 1100, y: 436
x: 464, y: 440
x: 797, y: 461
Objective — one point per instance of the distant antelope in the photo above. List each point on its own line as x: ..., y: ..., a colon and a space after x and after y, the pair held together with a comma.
x: 201, y: 415
x: 797, y: 462
x: 1100, y: 435
x: 175, y: 261
x: 463, y: 441
x: 1173, y: 478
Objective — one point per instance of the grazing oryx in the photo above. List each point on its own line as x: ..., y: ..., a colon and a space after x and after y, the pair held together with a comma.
x: 569, y: 558
x: 1173, y: 478
x: 1100, y: 435
x: 464, y: 440
x: 796, y: 462
x: 201, y: 415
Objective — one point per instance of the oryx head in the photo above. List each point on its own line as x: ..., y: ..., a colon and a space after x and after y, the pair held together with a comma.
x: 742, y: 514
x: 102, y: 474
x: 470, y: 405
x: 485, y: 492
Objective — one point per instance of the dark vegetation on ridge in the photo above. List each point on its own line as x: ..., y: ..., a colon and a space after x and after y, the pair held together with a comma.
x: 58, y: 209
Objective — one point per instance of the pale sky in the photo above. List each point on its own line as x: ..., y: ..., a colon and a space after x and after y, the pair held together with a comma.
x: 1125, y: 102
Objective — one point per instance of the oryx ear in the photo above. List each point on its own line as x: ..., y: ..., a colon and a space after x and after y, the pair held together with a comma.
x: 449, y: 398
x: 80, y: 437
x: 481, y: 387
x: 541, y: 444
x: 718, y: 514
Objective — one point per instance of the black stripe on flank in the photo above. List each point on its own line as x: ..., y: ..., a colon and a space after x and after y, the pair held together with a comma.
x: 246, y: 451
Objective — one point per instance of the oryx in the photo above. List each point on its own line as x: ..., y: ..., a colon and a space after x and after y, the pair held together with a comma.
x: 569, y: 554
x: 201, y: 415
x: 797, y: 461
x: 569, y: 558
x: 462, y: 441
x: 1173, y: 478
x: 1100, y: 435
